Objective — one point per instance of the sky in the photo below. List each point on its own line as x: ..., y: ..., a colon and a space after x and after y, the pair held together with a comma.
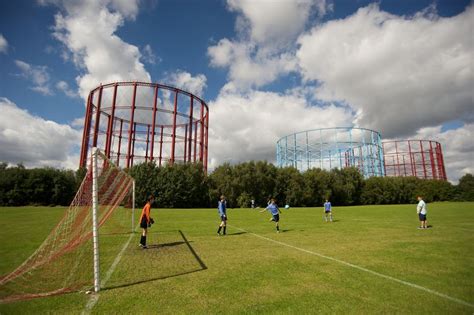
x: 266, y: 68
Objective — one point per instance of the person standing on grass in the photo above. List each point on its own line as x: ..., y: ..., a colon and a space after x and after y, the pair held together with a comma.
x: 275, y: 211
x: 222, y: 209
x: 327, y: 211
x: 146, y: 220
x: 421, y: 210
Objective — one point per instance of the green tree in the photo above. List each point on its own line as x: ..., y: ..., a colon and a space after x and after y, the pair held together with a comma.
x: 316, y: 186
x: 465, y: 188
x: 346, y: 186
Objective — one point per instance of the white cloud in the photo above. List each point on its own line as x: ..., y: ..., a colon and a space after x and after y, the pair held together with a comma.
x: 247, y: 127
x: 34, y: 141
x: 126, y: 8
x: 38, y: 75
x: 64, y: 87
x: 185, y: 81
x: 149, y: 56
x: 398, y: 73
x: 88, y: 30
x: 264, y: 48
x: 77, y: 123
x: 274, y: 22
x: 3, y: 44
x: 248, y: 65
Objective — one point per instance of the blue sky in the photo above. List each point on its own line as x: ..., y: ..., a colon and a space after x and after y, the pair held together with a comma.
x: 212, y: 41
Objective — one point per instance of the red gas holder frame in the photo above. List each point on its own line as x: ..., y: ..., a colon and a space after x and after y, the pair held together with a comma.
x: 133, y: 122
x: 419, y: 158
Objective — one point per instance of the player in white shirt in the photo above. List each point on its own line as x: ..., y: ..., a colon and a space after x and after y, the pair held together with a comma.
x: 421, y: 210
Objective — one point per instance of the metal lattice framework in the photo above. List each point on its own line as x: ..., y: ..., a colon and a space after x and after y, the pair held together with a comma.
x: 419, y: 158
x: 136, y: 122
x: 329, y: 148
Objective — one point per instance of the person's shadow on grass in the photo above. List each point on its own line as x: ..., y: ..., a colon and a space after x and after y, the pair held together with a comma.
x: 236, y: 233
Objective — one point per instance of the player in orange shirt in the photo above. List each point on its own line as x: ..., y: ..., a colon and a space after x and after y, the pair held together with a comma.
x: 146, y: 220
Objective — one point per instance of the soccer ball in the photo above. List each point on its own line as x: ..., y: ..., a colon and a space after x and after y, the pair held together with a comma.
x: 287, y: 207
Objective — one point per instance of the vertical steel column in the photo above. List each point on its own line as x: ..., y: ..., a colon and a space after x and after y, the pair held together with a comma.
x: 443, y: 170
x: 120, y: 142
x: 398, y: 161
x: 295, y: 157
x: 108, y: 135
x: 207, y: 141
x: 412, y: 159
x: 381, y: 155
x: 110, y: 126
x: 191, y: 105
x: 321, y: 148
x: 404, y: 166
x: 173, y: 135
x: 307, y: 151
x: 147, y: 141
x: 161, y: 145
x: 97, y: 118
x: 433, y: 167
x: 423, y: 158
x: 384, y: 163
x: 185, y: 141
x: 195, y: 140
x: 201, y: 135
x: 131, y: 123
x: 153, y: 124
x: 86, y: 132
x: 134, y: 135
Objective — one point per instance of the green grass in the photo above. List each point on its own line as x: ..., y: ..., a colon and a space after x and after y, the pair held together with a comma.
x: 242, y: 273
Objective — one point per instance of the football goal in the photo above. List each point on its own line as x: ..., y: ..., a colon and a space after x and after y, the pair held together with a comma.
x: 100, y: 216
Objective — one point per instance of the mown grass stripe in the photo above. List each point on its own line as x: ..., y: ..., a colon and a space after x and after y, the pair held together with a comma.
x: 416, y: 286
x: 95, y: 297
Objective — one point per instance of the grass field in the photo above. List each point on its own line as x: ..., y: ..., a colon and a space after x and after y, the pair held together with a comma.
x: 372, y: 259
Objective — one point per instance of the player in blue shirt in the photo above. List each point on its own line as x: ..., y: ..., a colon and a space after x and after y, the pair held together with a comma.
x: 221, y: 207
x: 327, y: 211
x: 275, y: 211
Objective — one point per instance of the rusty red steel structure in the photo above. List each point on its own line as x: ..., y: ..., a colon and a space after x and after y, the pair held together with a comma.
x: 419, y: 158
x: 135, y: 122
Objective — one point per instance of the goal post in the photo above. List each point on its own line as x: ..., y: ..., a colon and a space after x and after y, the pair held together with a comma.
x: 95, y: 228
x: 68, y: 258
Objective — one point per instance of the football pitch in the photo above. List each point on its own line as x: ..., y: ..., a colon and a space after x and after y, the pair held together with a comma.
x: 371, y: 259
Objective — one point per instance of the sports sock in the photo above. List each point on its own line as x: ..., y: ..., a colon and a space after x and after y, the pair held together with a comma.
x: 278, y: 228
x: 144, y: 240
x: 219, y: 230
x: 224, y: 229
x: 141, y: 240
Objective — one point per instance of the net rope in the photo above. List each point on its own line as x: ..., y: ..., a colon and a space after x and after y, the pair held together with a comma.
x: 63, y: 262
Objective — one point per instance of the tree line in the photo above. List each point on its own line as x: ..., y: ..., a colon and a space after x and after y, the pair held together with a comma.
x: 188, y: 186
x: 47, y: 186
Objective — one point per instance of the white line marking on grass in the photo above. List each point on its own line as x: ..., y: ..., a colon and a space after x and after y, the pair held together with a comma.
x: 416, y: 286
x: 95, y: 297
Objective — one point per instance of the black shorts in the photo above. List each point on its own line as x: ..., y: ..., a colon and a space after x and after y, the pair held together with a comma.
x: 327, y: 211
x: 422, y: 217
x: 275, y: 217
x: 223, y: 218
x: 144, y: 223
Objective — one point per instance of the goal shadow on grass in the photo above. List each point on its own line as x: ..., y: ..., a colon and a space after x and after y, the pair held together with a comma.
x: 158, y: 258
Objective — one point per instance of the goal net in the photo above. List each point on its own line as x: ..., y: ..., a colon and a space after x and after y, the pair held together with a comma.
x: 64, y: 262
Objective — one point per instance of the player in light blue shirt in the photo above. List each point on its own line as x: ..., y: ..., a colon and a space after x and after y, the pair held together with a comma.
x: 275, y: 211
x: 327, y: 211
x: 222, y: 209
x: 422, y: 211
